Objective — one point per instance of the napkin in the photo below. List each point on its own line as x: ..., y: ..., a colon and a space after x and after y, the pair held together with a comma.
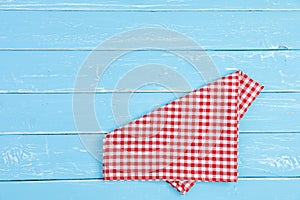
x: 193, y: 138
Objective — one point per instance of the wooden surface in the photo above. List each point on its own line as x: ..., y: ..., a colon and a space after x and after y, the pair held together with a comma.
x: 44, y: 43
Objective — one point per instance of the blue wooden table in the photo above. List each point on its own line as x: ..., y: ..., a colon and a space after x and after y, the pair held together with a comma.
x: 43, y: 44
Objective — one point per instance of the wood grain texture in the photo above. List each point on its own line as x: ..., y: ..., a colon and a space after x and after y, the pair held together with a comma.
x: 53, y: 112
x: 44, y: 43
x: 55, y: 157
x: 56, y: 71
x: 242, y: 190
x: 211, y: 30
x: 150, y: 5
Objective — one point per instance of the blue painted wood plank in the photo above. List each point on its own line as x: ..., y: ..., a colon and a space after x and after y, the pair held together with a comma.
x: 46, y: 157
x: 77, y: 190
x: 212, y: 30
x: 56, y: 71
x: 53, y: 113
x: 146, y: 5
x: 28, y: 157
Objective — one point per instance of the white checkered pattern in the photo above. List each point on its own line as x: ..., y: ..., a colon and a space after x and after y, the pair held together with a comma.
x: 193, y: 138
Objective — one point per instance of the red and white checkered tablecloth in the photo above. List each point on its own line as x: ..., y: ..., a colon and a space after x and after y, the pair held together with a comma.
x: 194, y: 138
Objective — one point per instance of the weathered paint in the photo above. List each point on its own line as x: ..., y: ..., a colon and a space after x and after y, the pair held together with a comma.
x: 44, y: 43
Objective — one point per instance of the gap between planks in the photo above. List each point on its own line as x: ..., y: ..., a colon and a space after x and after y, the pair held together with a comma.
x: 19, y: 8
x: 101, y: 179
x: 120, y: 91
x: 276, y: 48
x: 96, y: 133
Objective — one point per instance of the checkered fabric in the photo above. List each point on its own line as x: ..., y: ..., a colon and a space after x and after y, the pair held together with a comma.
x: 193, y: 138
